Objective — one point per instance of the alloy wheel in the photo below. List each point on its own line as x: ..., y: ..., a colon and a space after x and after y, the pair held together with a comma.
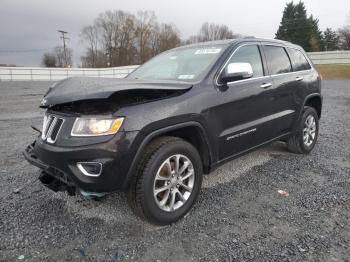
x: 174, y: 183
x: 309, y: 131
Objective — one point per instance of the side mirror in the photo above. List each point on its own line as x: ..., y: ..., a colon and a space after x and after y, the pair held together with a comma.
x: 236, y: 71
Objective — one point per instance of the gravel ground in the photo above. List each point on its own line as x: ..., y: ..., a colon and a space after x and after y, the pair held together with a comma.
x: 240, y: 216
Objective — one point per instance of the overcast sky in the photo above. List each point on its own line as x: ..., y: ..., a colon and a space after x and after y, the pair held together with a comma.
x: 33, y: 24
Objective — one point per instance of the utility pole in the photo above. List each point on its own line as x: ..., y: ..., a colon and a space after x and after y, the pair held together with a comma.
x: 64, y: 38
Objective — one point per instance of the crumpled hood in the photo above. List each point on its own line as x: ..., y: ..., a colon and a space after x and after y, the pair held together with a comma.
x: 86, y: 88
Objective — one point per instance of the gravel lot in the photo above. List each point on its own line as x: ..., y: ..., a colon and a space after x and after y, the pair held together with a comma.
x: 239, y: 216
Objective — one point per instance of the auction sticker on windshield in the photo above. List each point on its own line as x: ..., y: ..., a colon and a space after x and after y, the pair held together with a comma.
x: 185, y: 76
x: 207, y: 51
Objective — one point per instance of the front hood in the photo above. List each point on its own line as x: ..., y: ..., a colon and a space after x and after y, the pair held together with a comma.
x: 87, y: 88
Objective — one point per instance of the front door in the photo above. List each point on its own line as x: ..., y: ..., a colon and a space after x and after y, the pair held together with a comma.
x: 243, y: 116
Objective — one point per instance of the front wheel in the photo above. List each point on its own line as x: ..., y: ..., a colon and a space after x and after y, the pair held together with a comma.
x: 168, y: 181
x: 304, y: 140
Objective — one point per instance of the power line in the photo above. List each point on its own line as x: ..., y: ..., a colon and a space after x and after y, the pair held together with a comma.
x: 25, y: 50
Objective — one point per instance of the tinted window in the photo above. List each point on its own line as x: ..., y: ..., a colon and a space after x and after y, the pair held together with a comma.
x: 299, y: 61
x: 249, y: 54
x: 278, y: 60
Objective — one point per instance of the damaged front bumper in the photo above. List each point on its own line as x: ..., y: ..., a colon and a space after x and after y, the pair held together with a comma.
x: 61, y: 168
x: 50, y: 176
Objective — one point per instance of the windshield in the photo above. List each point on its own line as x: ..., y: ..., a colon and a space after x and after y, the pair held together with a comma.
x: 185, y: 64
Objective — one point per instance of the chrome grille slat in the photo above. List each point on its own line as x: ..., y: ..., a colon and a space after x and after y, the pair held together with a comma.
x: 51, y: 127
x: 49, y: 132
x: 47, y: 122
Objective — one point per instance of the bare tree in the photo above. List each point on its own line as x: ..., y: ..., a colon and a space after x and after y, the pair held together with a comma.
x: 168, y: 37
x: 124, y: 39
x: 145, y: 26
x: 163, y: 37
x: 127, y: 52
x: 90, y: 36
x: 49, y: 60
x: 154, y: 40
x: 106, y: 28
x: 211, y: 31
x: 192, y: 39
x: 96, y: 60
x: 117, y: 31
x: 60, y: 57
x: 344, y: 37
x: 57, y: 58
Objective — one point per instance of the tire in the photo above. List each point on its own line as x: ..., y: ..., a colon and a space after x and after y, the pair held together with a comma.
x: 296, y: 142
x: 156, y: 189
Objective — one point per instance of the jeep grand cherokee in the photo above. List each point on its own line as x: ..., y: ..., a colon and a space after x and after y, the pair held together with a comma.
x: 178, y: 116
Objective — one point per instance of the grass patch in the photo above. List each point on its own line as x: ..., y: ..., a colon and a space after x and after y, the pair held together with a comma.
x: 334, y: 72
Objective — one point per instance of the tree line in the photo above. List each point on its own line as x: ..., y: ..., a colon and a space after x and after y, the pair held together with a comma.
x: 299, y: 28
x: 118, y: 38
x: 58, y: 57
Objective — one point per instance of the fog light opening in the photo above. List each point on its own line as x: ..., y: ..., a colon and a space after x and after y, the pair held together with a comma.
x: 93, y: 169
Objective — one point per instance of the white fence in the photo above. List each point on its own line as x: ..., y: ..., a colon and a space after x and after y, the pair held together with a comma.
x: 330, y: 57
x: 43, y: 73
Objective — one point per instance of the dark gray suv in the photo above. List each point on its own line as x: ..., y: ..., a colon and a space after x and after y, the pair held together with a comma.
x: 182, y: 114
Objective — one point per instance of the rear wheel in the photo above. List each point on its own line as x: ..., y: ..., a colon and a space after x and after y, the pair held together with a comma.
x: 304, y: 140
x: 168, y: 181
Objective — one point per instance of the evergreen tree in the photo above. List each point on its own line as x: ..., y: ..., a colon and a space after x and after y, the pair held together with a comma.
x: 315, y: 41
x: 284, y: 31
x: 330, y: 40
x: 298, y: 28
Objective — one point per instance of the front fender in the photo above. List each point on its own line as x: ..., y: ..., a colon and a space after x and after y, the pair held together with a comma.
x: 145, y: 136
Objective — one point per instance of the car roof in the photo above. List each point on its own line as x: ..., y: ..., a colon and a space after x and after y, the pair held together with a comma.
x: 228, y: 42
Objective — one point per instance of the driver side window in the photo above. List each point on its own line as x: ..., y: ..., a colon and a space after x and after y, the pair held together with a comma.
x: 249, y: 54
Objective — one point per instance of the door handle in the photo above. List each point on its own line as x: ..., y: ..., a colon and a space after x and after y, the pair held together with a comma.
x: 299, y: 78
x: 266, y: 85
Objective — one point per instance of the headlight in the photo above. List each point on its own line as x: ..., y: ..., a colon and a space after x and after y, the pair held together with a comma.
x: 96, y: 126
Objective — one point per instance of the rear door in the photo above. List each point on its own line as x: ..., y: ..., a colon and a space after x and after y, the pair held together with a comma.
x: 305, y: 76
x: 286, y: 85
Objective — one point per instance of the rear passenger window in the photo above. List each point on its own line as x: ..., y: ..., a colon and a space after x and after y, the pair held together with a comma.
x: 277, y: 60
x: 249, y: 54
x: 299, y: 61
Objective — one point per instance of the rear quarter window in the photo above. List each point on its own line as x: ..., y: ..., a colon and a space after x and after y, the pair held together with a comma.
x: 299, y: 61
x: 277, y: 60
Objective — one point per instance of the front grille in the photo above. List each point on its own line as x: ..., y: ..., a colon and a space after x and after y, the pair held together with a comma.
x: 51, y: 127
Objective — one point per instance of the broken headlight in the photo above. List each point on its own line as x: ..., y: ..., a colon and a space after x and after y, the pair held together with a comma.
x: 96, y: 126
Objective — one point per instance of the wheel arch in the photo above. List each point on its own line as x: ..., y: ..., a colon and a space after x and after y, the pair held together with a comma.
x: 315, y: 101
x: 192, y: 132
